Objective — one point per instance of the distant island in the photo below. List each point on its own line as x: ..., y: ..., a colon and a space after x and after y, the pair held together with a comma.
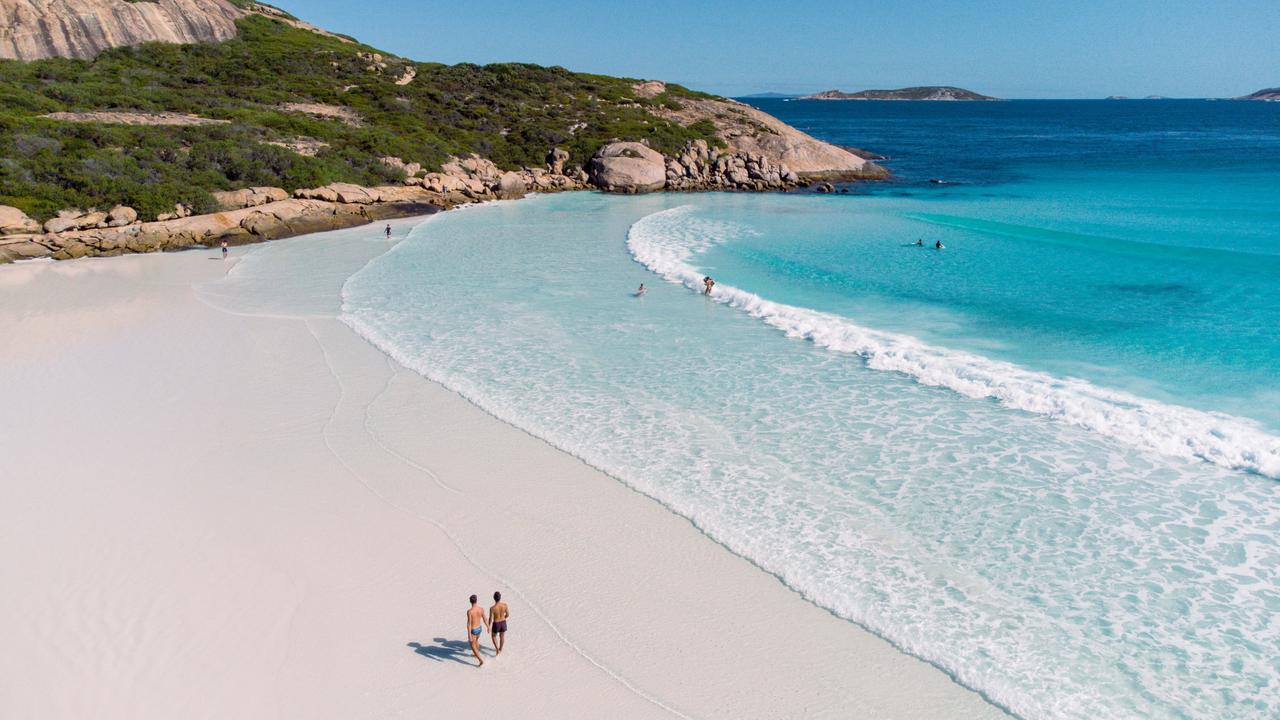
x: 1267, y: 95
x: 927, y: 92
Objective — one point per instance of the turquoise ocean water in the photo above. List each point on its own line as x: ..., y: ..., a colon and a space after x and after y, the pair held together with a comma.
x: 1045, y: 459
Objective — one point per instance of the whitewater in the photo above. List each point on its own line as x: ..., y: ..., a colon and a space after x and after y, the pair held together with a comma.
x: 1061, y: 570
x: 666, y: 242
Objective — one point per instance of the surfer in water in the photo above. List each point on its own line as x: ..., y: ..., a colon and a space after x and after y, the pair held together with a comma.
x: 939, y: 245
x: 707, y: 284
x: 642, y: 290
x: 919, y: 242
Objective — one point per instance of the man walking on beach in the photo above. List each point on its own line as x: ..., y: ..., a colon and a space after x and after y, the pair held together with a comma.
x: 498, y: 615
x: 475, y: 626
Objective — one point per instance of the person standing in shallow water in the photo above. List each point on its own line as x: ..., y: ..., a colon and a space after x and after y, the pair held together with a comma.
x: 498, y: 615
x: 224, y: 249
x: 475, y: 626
x: 707, y: 284
x: 388, y: 230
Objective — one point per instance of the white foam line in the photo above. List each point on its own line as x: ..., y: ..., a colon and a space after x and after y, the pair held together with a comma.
x: 666, y: 241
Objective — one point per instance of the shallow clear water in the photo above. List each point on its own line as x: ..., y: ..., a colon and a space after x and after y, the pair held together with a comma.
x: 1042, y: 459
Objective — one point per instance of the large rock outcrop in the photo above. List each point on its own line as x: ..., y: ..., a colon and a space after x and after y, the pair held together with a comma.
x: 750, y: 132
x: 627, y: 167
x: 15, y: 222
x: 701, y: 167
x: 285, y: 218
x: 266, y: 213
x: 249, y: 197
x: 35, y: 29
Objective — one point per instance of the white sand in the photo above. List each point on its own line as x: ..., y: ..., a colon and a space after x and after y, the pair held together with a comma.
x: 211, y: 515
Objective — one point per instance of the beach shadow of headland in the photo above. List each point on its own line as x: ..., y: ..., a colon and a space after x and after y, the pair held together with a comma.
x: 443, y: 649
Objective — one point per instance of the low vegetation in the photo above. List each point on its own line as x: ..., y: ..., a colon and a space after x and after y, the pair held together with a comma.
x: 510, y: 113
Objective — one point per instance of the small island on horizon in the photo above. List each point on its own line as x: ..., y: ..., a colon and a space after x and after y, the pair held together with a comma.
x: 925, y: 92
x: 1266, y: 95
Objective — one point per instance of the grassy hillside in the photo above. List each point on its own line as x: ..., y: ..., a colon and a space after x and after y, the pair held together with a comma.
x: 510, y: 113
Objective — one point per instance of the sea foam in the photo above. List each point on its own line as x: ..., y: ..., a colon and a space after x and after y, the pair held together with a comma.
x: 1059, y: 572
x: 666, y: 242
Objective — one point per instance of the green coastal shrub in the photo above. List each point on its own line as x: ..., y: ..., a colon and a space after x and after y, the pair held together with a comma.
x: 511, y: 113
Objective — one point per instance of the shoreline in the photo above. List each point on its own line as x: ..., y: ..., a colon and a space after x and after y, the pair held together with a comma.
x: 258, y: 214
x: 572, y: 549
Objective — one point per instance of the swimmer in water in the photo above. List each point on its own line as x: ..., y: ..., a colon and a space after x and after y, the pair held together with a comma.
x: 642, y: 290
x: 707, y: 284
x: 919, y: 242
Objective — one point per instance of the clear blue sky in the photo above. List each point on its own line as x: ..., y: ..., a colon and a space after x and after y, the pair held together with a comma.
x: 1008, y: 48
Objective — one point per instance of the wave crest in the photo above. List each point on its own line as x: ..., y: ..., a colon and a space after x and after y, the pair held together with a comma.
x: 667, y: 241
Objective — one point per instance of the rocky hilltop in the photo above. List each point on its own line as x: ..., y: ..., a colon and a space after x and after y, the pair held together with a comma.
x: 34, y: 29
x: 281, y: 128
x: 1268, y: 94
x: 928, y: 92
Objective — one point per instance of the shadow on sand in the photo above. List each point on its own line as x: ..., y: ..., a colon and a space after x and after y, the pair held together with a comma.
x: 443, y: 649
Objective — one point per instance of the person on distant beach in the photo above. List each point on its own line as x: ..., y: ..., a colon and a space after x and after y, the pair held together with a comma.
x: 224, y: 249
x: 475, y: 626
x: 388, y: 229
x: 642, y: 290
x: 707, y: 284
x: 498, y: 615
x: 939, y: 245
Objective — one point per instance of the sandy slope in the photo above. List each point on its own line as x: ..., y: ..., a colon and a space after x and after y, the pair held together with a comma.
x: 216, y: 515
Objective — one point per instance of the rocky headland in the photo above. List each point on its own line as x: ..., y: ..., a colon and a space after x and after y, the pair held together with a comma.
x: 257, y: 214
x: 618, y: 136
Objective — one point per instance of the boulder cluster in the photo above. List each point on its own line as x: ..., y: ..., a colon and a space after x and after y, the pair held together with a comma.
x: 475, y: 179
x: 264, y: 213
x: 255, y: 214
x: 76, y: 219
x: 632, y: 167
x: 699, y: 167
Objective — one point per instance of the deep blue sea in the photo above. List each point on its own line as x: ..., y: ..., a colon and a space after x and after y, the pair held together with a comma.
x: 1045, y: 458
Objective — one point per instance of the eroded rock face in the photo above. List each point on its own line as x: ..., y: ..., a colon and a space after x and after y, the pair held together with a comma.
x: 556, y: 158
x: 121, y: 215
x: 35, y: 29
x: 747, y: 131
x: 75, y: 220
x: 15, y: 222
x: 249, y: 197
x: 472, y: 167
x: 627, y: 167
x: 701, y: 167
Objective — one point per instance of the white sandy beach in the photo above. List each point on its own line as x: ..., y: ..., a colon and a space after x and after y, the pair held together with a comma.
x: 207, y: 514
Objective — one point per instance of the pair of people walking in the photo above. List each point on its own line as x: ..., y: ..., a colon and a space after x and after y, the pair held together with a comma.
x: 495, y: 621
